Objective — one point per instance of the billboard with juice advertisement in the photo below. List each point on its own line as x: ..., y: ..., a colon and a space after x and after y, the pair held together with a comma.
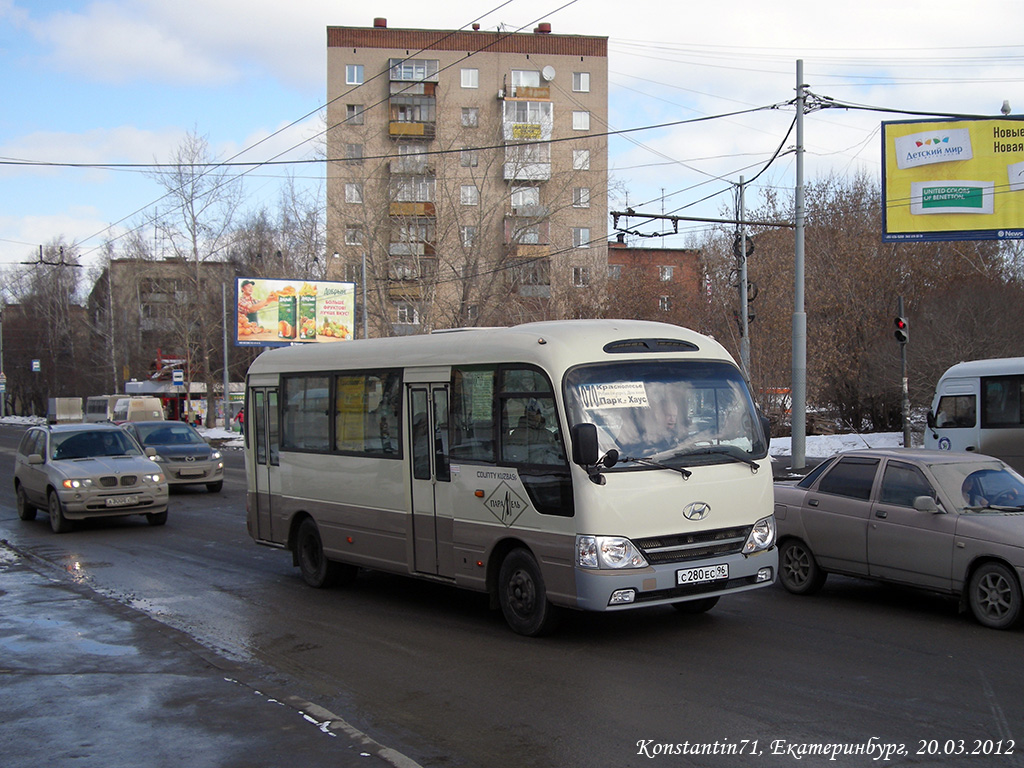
x: 282, y: 312
x: 953, y: 179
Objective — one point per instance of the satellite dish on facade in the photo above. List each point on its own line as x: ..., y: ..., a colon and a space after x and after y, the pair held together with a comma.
x: 548, y: 73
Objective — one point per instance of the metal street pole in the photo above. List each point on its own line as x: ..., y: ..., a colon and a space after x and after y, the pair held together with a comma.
x: 799, y: 382
x: 224, y: 316
x: 3, y: 376
x: 905, y: 383
x: 744, y: 314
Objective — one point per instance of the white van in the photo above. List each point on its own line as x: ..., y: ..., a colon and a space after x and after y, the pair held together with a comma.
x: 978, y: 407
x: 599, y: 465
x: 100, y: 408
x: 138, y: 409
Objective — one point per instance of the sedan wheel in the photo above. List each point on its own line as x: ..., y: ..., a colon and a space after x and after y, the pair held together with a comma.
x: 798, y: 570
x: 995, y: 596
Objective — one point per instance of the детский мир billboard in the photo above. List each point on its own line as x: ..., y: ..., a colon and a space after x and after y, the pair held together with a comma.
x: 957, y: 179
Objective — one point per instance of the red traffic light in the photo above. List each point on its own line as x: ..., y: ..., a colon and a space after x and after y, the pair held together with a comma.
x: 902, y: 333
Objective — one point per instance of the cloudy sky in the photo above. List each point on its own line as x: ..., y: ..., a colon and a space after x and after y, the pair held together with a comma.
x: 124, y: 81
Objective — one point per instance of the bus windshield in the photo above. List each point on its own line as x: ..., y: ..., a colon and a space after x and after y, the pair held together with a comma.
x: 676, y: 412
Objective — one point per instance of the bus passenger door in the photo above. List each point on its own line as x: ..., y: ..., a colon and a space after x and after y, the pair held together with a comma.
x: 262, y: 421
x: 431, y: 511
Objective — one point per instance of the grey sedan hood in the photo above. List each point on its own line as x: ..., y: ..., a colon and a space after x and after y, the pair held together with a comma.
x: 997, y: 527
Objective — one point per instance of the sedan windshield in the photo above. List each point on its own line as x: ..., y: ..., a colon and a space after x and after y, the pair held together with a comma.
x: 679, y: 413
x: 981, y: 485
x: 170, y: 433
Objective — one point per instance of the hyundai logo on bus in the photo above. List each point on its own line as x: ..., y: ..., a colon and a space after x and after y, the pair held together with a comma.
x: 696, y: 510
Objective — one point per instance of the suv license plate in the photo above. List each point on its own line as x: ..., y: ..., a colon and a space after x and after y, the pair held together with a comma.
x: 122, y: 501
x: 702, y: 575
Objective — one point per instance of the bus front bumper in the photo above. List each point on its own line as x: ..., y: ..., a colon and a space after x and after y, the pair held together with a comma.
x: 612, y: 590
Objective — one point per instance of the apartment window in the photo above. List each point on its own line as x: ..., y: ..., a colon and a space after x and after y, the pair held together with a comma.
x: 470, y: 195
x: 665, y: 274
x: 665, y: 303
x: 353, y: 273
x: 354, y: 114
x: 532, y: 272
x: 581, y: 237
x: 581, y: 159
x: 469, y: 158
x: 581, y: 197
x: 353, y: 235
x: 526, y: 154
x: 581, y: 276
x: 524, y: 197
x: 471, y: 78
x: 353, y: 74
x: 413, y: 70
x: 470, y: 117
x: 412, y: 109
x: 468, y: 235
x: 526, y: 77
x: 413, y: 189
x: 407, y: 313
x: 354, y: 193
x: 529, y: 235
x: 527, y: 111
x: 581, y: 121
x: 353, y: 154
x: 614, y: 271
x: 581, y: 82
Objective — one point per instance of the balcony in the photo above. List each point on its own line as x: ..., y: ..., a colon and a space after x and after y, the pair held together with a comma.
x: 417, y: 210
x: 527, y: 172
x: 409, y: 130
x: 411, y: 165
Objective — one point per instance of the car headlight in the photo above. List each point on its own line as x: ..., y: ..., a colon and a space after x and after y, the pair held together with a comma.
x: 157, y: 458
x: 608, y: 552
x: 762, y: 536
x: 215, y: 455
x: 76, y: 484
x: 154, y: 478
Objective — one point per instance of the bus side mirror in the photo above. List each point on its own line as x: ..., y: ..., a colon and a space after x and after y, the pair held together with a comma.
x: 584, y: 444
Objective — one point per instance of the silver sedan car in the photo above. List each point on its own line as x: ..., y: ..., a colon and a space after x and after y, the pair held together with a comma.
x: 947, y: 522
x: 185, y: 457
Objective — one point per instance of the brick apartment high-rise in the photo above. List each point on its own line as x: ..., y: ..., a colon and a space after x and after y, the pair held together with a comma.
x: 467, y: 173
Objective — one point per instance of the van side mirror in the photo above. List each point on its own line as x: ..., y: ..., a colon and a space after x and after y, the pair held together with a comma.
x: 766, y: 428
x: 584, y: 444
x: 930, y: 420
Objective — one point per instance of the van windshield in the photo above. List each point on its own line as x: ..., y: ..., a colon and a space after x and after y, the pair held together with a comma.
x: 677, y: 412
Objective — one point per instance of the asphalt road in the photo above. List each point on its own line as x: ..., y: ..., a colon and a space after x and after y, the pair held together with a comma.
x: 861, y: 670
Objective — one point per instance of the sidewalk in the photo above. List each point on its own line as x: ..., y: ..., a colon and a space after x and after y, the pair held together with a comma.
x: 90, y: 681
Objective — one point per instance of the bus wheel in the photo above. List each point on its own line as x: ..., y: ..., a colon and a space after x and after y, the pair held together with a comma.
x: 26, y: 509
x: 523, y: 598
x: 316, y: 569
x: 995, y: 596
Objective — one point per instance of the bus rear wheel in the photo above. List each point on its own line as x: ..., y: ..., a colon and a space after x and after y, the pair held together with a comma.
x: 523, y: 597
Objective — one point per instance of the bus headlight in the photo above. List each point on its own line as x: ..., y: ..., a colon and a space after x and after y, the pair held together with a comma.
x: 762, y: 536
x: 608, y: 552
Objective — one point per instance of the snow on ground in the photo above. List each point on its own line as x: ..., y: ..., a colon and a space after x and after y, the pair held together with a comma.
x: 817, y: 446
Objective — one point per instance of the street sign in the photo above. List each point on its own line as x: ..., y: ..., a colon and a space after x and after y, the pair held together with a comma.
x: 35, y: 366
x: 178, y: 377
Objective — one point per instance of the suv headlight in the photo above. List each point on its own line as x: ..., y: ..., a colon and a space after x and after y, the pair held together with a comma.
x: 762, y: 536
x: 608, y: 552
x: 77, y: 484
x: 154, y: 478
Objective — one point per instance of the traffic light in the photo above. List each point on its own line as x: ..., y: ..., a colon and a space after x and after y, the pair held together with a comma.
x: 902, y: 333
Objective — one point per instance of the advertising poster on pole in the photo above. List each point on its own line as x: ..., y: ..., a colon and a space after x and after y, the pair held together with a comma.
x: 960, y: 179
x: 283, y: 312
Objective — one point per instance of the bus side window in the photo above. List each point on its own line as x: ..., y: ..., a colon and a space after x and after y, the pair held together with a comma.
x: 956, y: 411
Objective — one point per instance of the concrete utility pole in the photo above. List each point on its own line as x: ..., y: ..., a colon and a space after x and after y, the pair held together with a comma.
x: 798, y: 408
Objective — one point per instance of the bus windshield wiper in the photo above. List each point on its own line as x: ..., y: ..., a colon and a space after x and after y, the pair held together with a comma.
x: 652, y: 463
x: 720, y: 451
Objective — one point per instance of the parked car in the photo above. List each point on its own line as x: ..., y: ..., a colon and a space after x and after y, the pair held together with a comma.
x: 948, y: 522
x: 76, y: 471
x: 186, y: 458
